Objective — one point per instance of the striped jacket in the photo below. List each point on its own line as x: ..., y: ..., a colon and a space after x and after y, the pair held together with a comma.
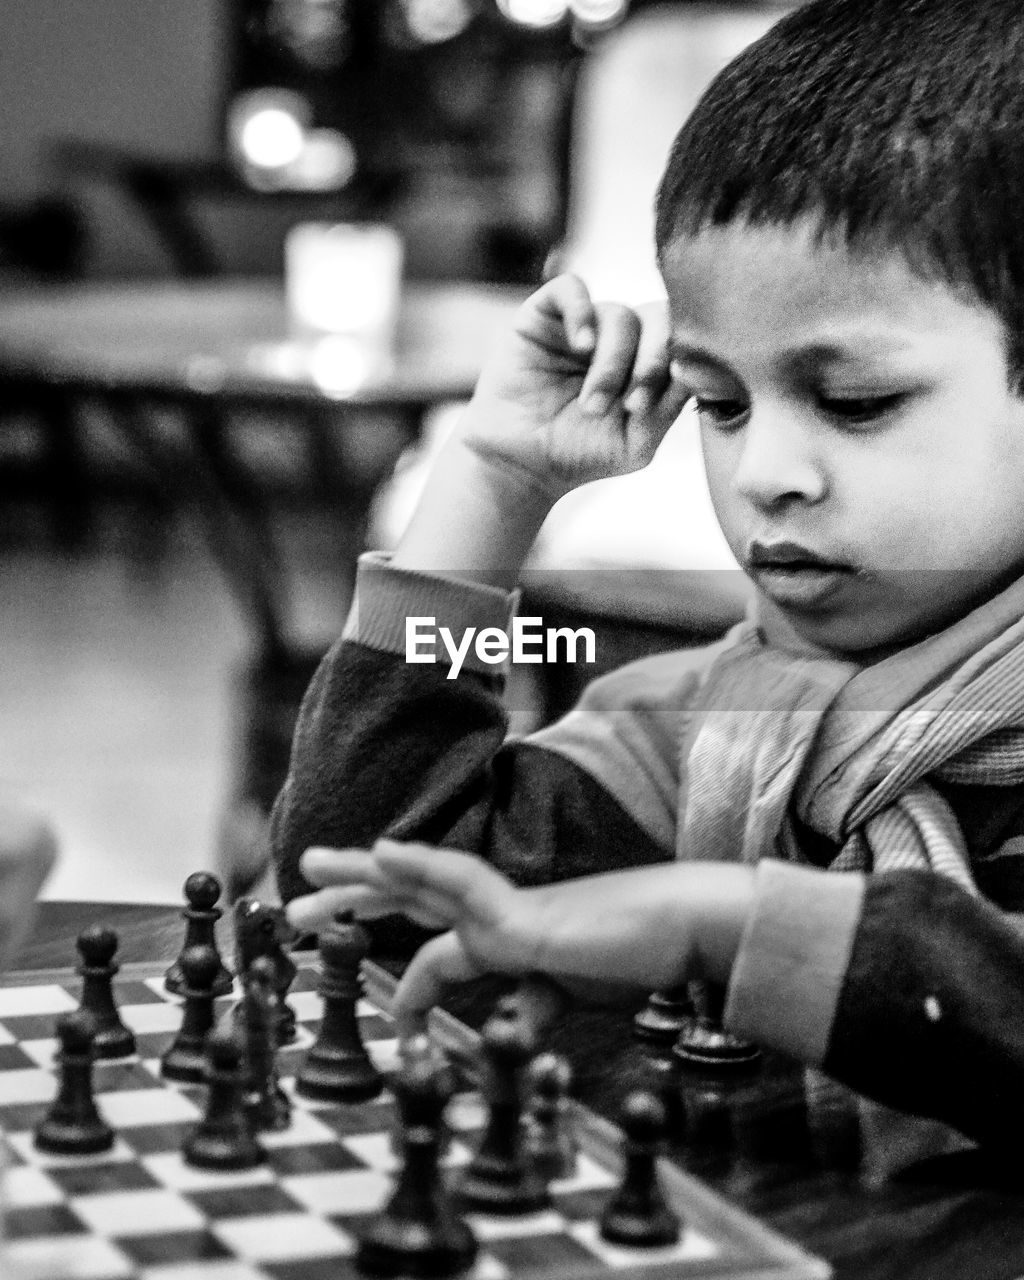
x: 902, y: 985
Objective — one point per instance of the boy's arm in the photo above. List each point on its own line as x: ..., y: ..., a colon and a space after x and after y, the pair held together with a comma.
x: 580, y: 390
x: 901, y: 985
x: 389, y: 748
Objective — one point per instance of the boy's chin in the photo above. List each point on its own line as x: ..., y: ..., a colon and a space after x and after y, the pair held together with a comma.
x: 886, y: 612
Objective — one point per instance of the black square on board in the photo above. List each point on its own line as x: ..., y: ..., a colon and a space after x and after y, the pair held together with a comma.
x: 135, y: 991
x: 553, y: 1252
x: 107, y: 1175
x: 26, y: 1221
x: 242, y: 1201
x: 151, y: 1140
x: 337, y: 1267
x: 313, y: 1157
x: 170, y: 1247
x: 14, y: 1058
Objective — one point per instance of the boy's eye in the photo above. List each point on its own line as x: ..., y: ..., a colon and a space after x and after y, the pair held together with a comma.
x: 720, y: 413
x: 859, y: 408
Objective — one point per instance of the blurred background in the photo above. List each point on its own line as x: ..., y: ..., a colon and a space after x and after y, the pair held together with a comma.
x: 196, y: 439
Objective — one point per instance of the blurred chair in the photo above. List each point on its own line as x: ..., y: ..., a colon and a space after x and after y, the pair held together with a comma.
x: 42, y: 242
x: 633, y: 93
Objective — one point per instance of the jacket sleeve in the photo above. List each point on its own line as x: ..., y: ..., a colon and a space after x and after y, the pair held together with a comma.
x: 385, y: 746
x: 901, y: 985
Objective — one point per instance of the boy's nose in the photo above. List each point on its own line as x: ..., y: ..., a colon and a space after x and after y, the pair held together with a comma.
x: 778, y: 462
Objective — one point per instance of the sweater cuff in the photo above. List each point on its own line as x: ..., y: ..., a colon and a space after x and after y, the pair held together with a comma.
x: 793, y: 958
x: 387, y: 599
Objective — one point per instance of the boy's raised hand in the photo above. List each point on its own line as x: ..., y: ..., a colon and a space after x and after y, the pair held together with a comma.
x: 580, y: 391
x: 606, y: 937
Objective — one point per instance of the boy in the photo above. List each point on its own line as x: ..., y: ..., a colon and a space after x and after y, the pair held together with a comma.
x: 825, y: 810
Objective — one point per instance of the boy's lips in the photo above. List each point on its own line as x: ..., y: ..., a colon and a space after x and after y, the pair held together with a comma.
x: 796, y: 575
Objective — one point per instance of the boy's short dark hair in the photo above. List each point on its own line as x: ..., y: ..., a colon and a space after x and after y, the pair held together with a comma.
x: 896, y: 123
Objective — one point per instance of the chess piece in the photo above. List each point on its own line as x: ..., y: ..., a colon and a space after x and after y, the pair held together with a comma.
x: 73, y: 1125
x: 201, y: 914
x: 185, y: 1059
x: 704, y: 1042
x: 419, y: 1055
x: 637, y: 1215
x: 96, y: 946
x: 418, y: 1233
x: 665, y: 1015
x: 500, y: 1177
x: 263, y: 930
x: 337, y: 1067
x: 266, y: 1103
x: 550, y: 1141
x: 661, y: 1076
x: 223, y: 1139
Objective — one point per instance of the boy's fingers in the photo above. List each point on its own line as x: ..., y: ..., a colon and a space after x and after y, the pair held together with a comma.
x: 440, y: 964
x: 611, y: 366
x: 315, y: 910
x: 322, y: 866
x: 566, y: 301
x: 466, y: 881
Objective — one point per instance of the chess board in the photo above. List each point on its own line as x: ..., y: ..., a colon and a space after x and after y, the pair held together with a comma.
x: 138, y: 1212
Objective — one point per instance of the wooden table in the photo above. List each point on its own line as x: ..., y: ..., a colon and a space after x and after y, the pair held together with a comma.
x: 879, y: 1196
x: 181, y: 370
x: 208, y: 350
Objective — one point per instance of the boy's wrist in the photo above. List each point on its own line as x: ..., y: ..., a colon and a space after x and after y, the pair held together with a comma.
x: 477, y: 519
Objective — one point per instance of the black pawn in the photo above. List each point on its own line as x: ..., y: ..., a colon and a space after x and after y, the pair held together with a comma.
x: 267, y: 1104
x: 500, y: 1177
x: 201, y: 914
x: 185, y: 1059
x: 73, y: 1125
x: 551, y: 1144
x: 704, y: 1042
x: 337, y: 1067
x: 420, y: 1055
x: 665, y: 1015
x: 96, y: 946
x: 638, y: 1215
x: 224, y: 1138
x: 262, y: 930
x: 418, y: 1233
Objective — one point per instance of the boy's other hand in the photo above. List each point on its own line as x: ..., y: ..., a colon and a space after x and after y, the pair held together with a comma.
x: 603, y: 937
x: 580, y: 391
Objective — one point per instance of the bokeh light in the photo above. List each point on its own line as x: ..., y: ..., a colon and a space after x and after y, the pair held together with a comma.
x: 271, y: 138
x: 599, y: 13
x: 534, y: 13
x: 267, y: 129
x: 433, y: 21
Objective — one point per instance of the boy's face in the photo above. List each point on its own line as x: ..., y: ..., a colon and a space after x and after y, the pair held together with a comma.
x: 865, y: 453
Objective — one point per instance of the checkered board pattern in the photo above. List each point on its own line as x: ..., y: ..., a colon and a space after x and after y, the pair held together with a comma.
x: 139, y: 1212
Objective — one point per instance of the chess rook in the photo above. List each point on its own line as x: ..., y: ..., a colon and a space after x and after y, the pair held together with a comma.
x: 185, y: 1059
x: 337, y: 1067
x: 500, y: 1178
x: 418, y: 1233
x: 96, y: 946
x: 224, y: 1139
x: 73, y: 1125
x: 638, y: 1215
x: 201, y: 913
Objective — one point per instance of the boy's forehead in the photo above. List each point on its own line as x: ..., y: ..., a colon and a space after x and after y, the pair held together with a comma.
x: 747, y: 278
